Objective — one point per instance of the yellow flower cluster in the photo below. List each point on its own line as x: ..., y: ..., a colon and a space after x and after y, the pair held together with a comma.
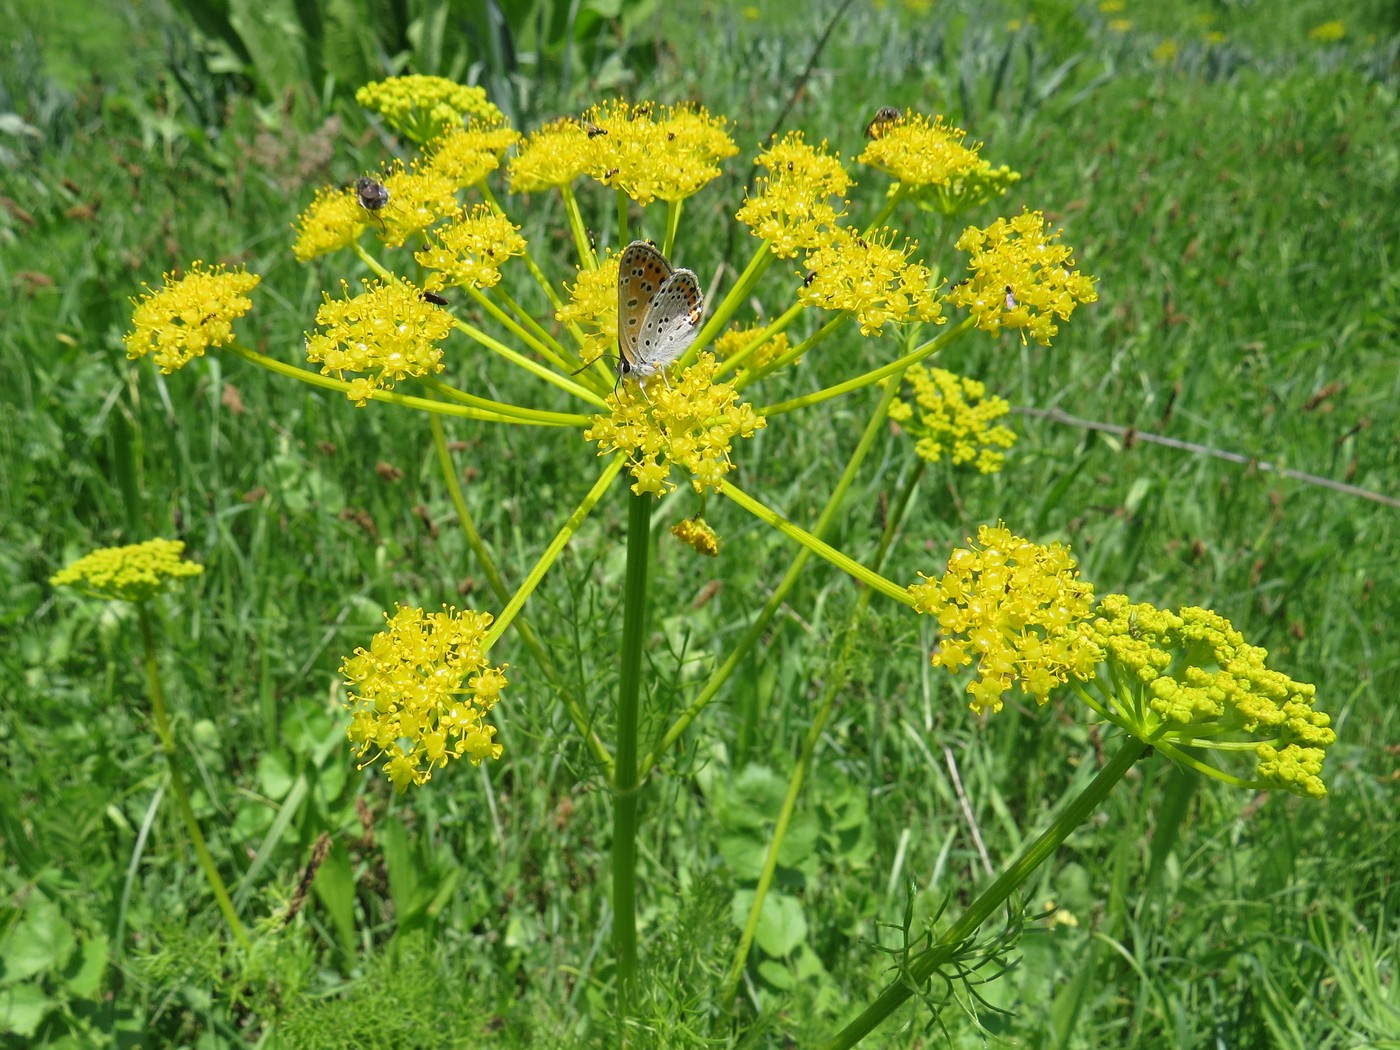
x: 1018, y: 609
x: 469, y: 251
x: 189, y: 315
x: 690, y: 421
x: 920, y: 152
x: 652, y: 152
x: 1189, y: 678
x: 1020, y: 277
x: 953, y: 417
x: 387, y: 330
x: 648, y: 152
x: 336, y: 218
x: 555, y: 155
x: 592, y: 306
x: 791, y: 207
x: 423, y: 107
x: 872, y: 279
x: 736, y: 339
x: 697, y: 534
x: 420, y: 694
x: 332, y: 221
x: 465, y: 157
x: 133, y: 573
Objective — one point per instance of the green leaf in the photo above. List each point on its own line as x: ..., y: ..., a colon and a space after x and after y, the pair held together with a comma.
x: 42, y: 940
x: 22, y: 1008
x: 781, y: 923
x: 334, y: 887
x: 86, y: 979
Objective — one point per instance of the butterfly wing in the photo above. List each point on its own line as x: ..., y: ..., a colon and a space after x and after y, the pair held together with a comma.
x: 670, y: 324
x: 640, y: 274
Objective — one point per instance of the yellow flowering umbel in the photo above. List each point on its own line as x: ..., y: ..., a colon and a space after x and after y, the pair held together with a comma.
x: 1020, y: 277
x: 689, y: 422
x: 189, y: 315
x: 652, y: 152
x: 592, y: 306
x: 387, y: 330
x: 1188, y: 680
x: 920, y: 152
x: 872, y: 279
x: 420, y: 694
x: 552, y: 157
x: 423, y: 107
x: 469, y: 251
x: 133, y: 573
x: 952, y: 417
x: 336, y: 218
x: 734, y: 341
x: 791, y: 205
x: 1015, y: 607
x: 466, y: 157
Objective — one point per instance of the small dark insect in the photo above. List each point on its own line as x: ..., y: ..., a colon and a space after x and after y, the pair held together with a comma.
x: 811, y: 276
x: 593, y: 130
x: 885, y: 117
x: 373, y: 195
x: 434, y: 298
x: 1010, y: 298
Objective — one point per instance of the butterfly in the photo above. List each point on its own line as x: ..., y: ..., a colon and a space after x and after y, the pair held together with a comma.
x: 658, y: 311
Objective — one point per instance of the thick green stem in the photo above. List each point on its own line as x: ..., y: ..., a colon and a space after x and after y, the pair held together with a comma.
x: 177, y: 779
x: 625, y: 771
x: 922, y: 966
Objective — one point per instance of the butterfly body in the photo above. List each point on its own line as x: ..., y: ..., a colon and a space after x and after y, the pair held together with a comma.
x: 658, y: 311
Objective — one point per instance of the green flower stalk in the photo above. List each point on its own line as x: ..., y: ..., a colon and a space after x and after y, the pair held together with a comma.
x: 138, y: 573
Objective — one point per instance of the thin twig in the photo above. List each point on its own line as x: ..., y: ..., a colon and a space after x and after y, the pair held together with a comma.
x: 967, y: 809
x: 806, y: 74
x: 1132, y: 434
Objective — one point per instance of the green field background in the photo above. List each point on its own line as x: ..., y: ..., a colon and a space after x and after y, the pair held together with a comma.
x: 1229, y: 172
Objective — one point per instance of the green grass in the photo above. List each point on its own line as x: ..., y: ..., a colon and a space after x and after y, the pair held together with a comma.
x: 1237, y: 202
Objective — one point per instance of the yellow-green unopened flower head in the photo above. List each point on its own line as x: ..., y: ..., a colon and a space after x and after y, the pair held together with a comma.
x: 423, y: 108
x: 134, y: 573
x: 951, y: 417
x: 1188, y: 683
x: 420, y: 694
